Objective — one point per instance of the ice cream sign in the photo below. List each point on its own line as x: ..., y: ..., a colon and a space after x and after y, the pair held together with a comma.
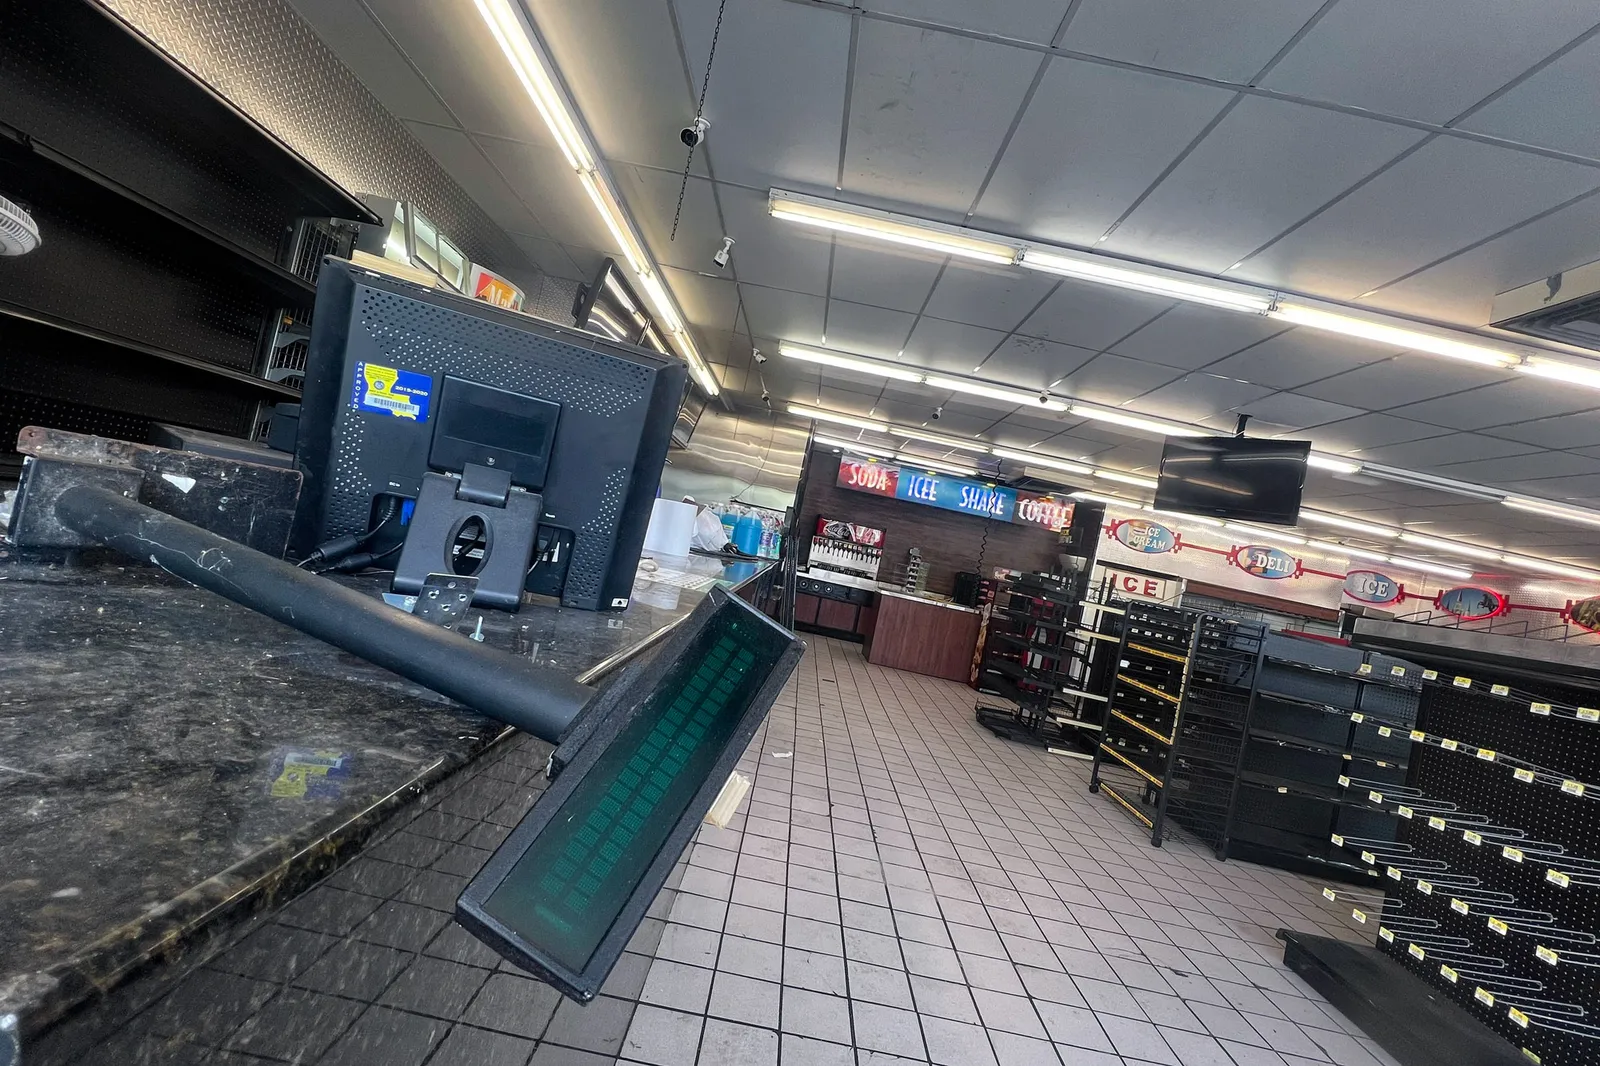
x: 1151, y: 538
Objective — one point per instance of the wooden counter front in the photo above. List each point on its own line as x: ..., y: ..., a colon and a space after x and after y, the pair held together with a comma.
x: 923, y: 636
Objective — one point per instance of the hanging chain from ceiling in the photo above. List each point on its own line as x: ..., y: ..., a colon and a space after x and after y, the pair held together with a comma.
x: 699, y: 113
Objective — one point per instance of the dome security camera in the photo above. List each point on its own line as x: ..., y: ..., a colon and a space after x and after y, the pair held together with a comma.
x: 692, y: 134
x: 1044, y: 397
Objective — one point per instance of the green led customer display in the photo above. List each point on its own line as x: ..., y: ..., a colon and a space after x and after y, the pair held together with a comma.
x: 578, y: 874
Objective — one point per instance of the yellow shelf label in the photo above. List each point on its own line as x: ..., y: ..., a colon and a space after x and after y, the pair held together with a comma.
x: 1430, y: 675
x: 1435, y: 822
x: 1523, y: 775
x: 1415, y: 952
x: 1364, y: 668
x: 1384, y: 934
x: 1449, y: 975
x: 1417, y: 734
x: 1404, y: 811
x: 1460, y: 906
x: 1496, y: 925
x: 1472, y: 838
x: 1397, y: 671
x: 1500, y: 690
x: 1375, y: 797
x: 1544, y: 954
x: 1329, y: 894
x: 1344, y: 782
x: 1385, y: 731
x: 1484, y: 996
x: 1518, y: 1017
x: 1572, y: 788
x: 1425, y: 887
x: 1514, y: 854
x: 1338, y: 840
x: 1556, y: 877
x: 1360, y: 916
x: 1394, y: 873
x: 1539, y: 708
x: 1449, y: 745
x: 1487, y: 754
x: 1588, y: 714
x: 1358, y: 717
x: 1462, y: 682
x: 1369, y: 858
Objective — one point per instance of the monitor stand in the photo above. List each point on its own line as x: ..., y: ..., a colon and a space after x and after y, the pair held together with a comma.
x: 478, y: 525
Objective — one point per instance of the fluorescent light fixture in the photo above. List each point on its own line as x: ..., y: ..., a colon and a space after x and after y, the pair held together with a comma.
x: 921, y: 463
x: 1436, y: 484
x: 1103, y: 271
x: 1372, y: 329
x: 516, y: 41
x: 1327, y: 548
x: 885, y: 226
x: 848, y: 362
x: 819, y: 415
x: 1126, y: 479
x: 1431, y: 568
x: 1550, y: 510
x: 702, y: 373
x: 1558, y: 370
x: 1264, y: 534
x: 936, y: 438
x: 1047, y: 461
x: 859, y: 446
x: 657, y: 293
x: 1368, y: 528
x: 1145, y: 425
x: 1362, y: 553
x: 620, y: 293
x: 1328, y: 462
x: 1003, y: 393
x: 610, y: 214
x: 1196, y: 518
x: 1545, y: 567
x: 1450, y: 546
x: 1112, y: 500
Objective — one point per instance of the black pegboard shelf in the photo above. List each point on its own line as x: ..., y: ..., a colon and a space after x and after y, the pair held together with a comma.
x: 1321, y: 747
x: 1370, y: 678
x: 1331, y: 794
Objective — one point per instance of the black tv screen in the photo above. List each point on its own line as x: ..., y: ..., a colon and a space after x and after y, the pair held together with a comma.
x: 1233, y: 477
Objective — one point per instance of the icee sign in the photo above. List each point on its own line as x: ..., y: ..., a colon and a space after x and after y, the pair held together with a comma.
x: 957, y: 494
x: 1369, y: 586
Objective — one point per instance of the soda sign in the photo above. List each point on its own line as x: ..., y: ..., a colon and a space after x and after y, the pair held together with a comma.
x: 1260, y: 561
x: 866, y: 475
x: 1369, y: 586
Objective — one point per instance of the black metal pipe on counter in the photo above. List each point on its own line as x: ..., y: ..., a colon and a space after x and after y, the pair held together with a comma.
x: 539, y: 701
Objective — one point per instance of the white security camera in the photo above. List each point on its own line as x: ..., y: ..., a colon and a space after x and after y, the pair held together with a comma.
x: 755, y: 353
x: 938, y: 412
x: 692, y: 134
x: 1044, y: 397
x: 721, y: 255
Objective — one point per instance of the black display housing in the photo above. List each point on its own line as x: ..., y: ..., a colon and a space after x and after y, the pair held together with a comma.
x: 1245, y: 478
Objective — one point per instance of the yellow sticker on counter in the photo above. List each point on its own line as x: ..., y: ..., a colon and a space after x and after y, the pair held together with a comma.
x: 1375, y: 797
x: 1369, y: 858
x: 1514, y: 854
x: 1449, y: 975
x: 1487, y: 754
x: 1472, y: 838
x: 1385, y: 731
x: 1384, y: 934
x: 1544, y: 954
x: 1500, y: 690
x: 1517, y: 1016
x: 1588, y: 714
x: 1360, y: 916
x: 1435, y: 822
x: 1397, y: 671
x: 1484, y: 996
x: 1539, y: 708
x: 1449, y: 745
x: 1497, y: 926
x: 1523, y: 775
x: 1415, y: 952
x: 1404, y: 811
x: 1425, y: 887
x: 1462, y: 682
x: 1460, y: 906
x: 1556, y: 877
x: 1364, y: 668
x: 1417, y: 734
x: 1572, y: 788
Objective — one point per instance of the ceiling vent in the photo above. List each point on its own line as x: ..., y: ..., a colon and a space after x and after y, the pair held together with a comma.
x: 1564, y: 307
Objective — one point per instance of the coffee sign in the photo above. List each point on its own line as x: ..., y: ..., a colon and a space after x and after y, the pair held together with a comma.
x: 1051, y: 512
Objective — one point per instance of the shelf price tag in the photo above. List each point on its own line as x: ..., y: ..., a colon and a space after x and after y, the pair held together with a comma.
x: 1435, y: 822
x: 1360, y: 916
x: 1375, y: 797
x: 1404, y: 811
x: 1487, y: 754
x: 1500, y: 690
x: 1385, y: 935
x: 1425, y: 887
x: 1462, y: 682
x: 1544, y: 954
x: 1472, y: 838
x: 1460, y: 906
x: 1556, y: 877
x: 1357, y: 716
x: 1369, y: 858
x: 1339, y: 841
x: 1329, y: 894
x: 1484, y: 996
x: 1344, y: 782
x: 1364, y: 668
x: 1415, y: 952
x: 1449, y: 975
x: 1430, y: 675
x: 1525, y: 776
x: 1514, y: 854
x: 1397, y: 671
x: 1449, y: 745
x: 1394, y: 873
x: 1572, y: 788
x: 1497, y: 926
x: 1539, y: 708
x: 1517, y: 1016
x: 1417, y: 734
x: 1588, y: 714
x: 1385, y: 731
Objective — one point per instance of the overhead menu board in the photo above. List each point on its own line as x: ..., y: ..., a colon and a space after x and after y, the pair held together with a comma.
x: 962, y: 495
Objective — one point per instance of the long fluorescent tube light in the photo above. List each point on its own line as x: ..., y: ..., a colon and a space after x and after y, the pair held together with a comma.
x: 819, y: 415
x: 995, y: 392
x: 516, y: 42
x: 1329, y: 463
x: 1148, y: 425
x: 885, y: 226
x: 864, y: 447
x: 1179, y: 515
x: 1431, y: 568
x: 1047, y: 461
x: 1539, y: 507
x: 1126, y: 479
x: 1264, y: 534
x: 1115, y: 501
x: 938, y: 438
x: 847, y: 362
x: 1400, y: 337
x: 921, y: 463
x: 1362, y: 553
x: 1453, y: 547
x: 1437, y: 484
x: 1105, y: 272
x: 1345, y: 523
x: 1558, y: 370
x: 1544, y: 567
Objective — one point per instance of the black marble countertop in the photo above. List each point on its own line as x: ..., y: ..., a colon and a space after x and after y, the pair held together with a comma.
x: 167, y: 756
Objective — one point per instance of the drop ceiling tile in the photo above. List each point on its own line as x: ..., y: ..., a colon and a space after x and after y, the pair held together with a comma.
x: 461, y: 158
x: 1007, y: 435
x: 1401, y: 380
x: 763, y: 132
x: 780, y: 313
x: 1369, y: 431
x: 1539, y: 110
x: 995, y: 297
x: 843, y: 401
x: 834, y: 381
x: 1415, y: 61
x: 1433, y: 452
x: 867, y: 330
x: 538, y: 175
x: 550, y: 257
x: 927, y: 114
x: 1501, y: 404
x: 1191, y: 336
x: 708, y: 302
x: 950, y: 346
x: 866, y: 273
x: 1023, y: 20
x: 1414, y: 213
x: 1579, y: 434
x: 1295, y: 357
x: 1092, y: 316
x: 1230, y: 40
x: 1267, y: 165
x: 345, y: 27
x: 1294, y: 413
x: 1034, y: 363
x: 652, y: 199
x: 1072, y: 169
x: 778, y: 254
x: 1196, y: 396
x: 1527, y: 468
x: 1111, y: 379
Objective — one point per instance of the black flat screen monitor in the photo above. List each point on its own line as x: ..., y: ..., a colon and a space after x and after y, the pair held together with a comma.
x: 1233, y: 477
x: 570, y: 885
x: 402, y: 379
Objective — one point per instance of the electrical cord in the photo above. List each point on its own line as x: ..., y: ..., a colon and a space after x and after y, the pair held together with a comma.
x: 336, y: 550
